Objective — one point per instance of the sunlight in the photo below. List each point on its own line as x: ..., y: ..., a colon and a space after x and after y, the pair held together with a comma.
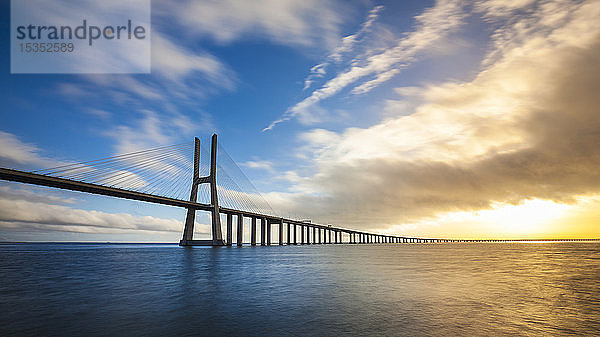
x: 529, y: 217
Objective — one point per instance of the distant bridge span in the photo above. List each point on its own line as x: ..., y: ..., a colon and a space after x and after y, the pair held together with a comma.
x: 309, y: 233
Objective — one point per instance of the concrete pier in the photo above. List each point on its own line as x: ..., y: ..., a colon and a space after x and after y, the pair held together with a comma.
x: 280, y: 232
x: 253, y: 232
x: 268, y: 232
x: 229, y: 228
x: 263, y: 231
x: 295, y: 231
x: 240, y: 229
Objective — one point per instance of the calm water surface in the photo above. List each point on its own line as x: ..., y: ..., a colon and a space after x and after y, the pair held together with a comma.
x: 328, y: 290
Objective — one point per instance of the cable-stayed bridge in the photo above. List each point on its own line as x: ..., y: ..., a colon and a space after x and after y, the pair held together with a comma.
x: 169, y: 176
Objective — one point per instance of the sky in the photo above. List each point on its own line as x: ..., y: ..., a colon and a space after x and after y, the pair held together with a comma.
x: 454, y: 119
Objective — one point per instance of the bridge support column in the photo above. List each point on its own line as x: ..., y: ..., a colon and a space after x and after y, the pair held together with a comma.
x: 295, y: 232
x: 263, y: 231
x: 329, y: 233
x: 289, y: 235
x: 240, y: 229
x: 217, y: 237
x: 268, y: 232
x: 188, y: 230
x: 302, y: 234
x: 281, y: 232
x: 253, y: 232
x: 229, y: 220
x: 320, y: 239
x: 306, y: 235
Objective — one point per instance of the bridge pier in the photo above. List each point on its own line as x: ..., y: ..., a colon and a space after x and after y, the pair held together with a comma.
x: 314, y: 235
x: 253, y: 232
x: 263, y: 231
x: 302, y: 234
x: 281, y: 232
x: 268, y: 232
x: 240, y: 229
x: 229, y: 220
x: 188, y: 231
x: 307, y: 235
x: 289, y: 235
x: 295, y: 230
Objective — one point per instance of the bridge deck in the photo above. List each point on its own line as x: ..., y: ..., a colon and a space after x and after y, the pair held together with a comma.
x: 43, y: 180
x: 357, y: 236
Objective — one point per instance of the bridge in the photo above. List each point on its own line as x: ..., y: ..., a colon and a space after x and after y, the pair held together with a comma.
x: 161, y: 175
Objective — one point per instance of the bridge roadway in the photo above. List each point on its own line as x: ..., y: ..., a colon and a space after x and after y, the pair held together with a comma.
x: 320, y: 233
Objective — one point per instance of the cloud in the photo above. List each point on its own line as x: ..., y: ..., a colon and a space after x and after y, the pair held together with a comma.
x: 15, y: 152
x: 433, y: 25
x: 175, y: 62
x: 259, y: 164
x: 287, y: 22
x: 522, y: 129
x: 22, y: 213
x: 33, y: 194
x: 344, y: 47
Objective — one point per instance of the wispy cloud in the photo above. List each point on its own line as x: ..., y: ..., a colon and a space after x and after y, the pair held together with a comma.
x: 287, y: 22
x: 15, y: 152
x: 344, y: 47
x: 259, y: 164
x: 26, y: 215
x: 433, y: 25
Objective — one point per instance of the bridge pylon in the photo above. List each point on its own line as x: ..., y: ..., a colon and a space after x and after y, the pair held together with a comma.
x: 211, y: 179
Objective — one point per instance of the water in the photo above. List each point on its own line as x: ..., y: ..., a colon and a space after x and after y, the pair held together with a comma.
x: 327, y: 290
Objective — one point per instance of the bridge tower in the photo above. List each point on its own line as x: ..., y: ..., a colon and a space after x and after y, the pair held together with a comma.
x: 211, y: 179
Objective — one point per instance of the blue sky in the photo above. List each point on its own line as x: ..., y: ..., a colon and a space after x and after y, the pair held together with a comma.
x: 408, y: 87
